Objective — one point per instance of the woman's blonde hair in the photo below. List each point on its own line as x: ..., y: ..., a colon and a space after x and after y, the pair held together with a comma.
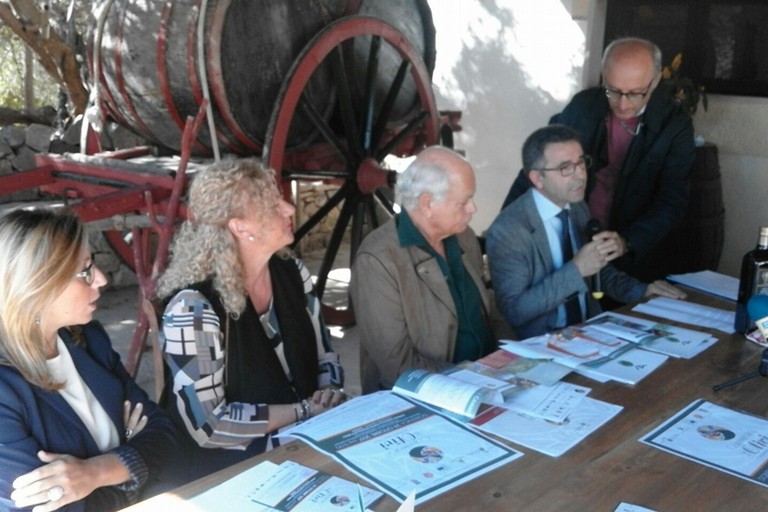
x: 40, y: 253
x: 203, y: 247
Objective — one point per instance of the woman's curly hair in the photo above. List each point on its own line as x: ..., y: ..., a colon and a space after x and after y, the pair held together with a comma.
x: 203, y: 246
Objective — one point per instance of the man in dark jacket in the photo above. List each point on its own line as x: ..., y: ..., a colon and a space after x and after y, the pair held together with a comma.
x: 641, y: 142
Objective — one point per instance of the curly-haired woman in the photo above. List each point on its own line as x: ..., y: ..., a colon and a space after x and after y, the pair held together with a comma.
x: 244, y: 342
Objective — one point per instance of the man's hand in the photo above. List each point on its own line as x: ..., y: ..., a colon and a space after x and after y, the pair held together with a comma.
x: 664, y: 289
x: 613, y: 245
x: 605, y: 247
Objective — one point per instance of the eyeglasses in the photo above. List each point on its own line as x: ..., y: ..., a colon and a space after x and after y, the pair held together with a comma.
x: 569, y: 168
x: 633, y: 97
x: 87, y: 274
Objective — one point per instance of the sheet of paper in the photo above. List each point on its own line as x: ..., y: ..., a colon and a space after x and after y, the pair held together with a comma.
x: 543, y: 436
x: 629, y: 507
x: 709, y: 282
x: 730, y: 441
x: 400, y: 445
x: 659, y: 337
x: 551, y: 403
x: 630, y: 367
x: 688, y: 312
x: 289, y: 487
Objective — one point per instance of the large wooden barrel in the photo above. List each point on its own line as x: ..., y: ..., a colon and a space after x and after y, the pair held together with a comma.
x: 151, y: 75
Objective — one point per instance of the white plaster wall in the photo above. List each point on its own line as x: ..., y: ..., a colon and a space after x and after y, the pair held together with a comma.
x: 739, y: 127
x: 508, y: 65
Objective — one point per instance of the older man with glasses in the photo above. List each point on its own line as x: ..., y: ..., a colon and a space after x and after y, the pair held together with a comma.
x: 643, y: 150
x: 539, y: 252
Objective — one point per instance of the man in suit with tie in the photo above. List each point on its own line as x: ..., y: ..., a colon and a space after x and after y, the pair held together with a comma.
x: 540, y: 256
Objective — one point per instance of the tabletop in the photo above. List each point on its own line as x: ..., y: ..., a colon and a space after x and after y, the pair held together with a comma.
x: 609, y: 466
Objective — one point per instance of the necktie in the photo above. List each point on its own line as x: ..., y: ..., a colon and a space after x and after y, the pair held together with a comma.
x: 572, y: 306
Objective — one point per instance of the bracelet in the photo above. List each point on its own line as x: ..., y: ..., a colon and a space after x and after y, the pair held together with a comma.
x: 304, y: 410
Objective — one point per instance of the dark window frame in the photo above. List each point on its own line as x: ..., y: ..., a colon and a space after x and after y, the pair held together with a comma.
x: 734, y: 67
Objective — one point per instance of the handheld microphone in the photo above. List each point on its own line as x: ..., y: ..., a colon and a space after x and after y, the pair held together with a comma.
x: 757, y: 308
x: 593, y: 228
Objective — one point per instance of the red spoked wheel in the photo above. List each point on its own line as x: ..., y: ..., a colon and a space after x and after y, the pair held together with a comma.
x: 365, y: 126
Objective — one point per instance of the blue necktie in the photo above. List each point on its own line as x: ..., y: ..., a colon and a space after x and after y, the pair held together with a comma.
x: 572, y: 306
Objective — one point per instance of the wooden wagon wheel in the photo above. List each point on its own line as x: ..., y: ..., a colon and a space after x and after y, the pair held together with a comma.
x: 360, y: 135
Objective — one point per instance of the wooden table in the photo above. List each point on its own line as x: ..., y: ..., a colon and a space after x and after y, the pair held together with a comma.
x: 608, y: 467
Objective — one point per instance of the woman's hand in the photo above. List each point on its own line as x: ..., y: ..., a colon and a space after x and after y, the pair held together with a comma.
x: 324, y: 399
x: 134, y: 420
x: 62, y: 480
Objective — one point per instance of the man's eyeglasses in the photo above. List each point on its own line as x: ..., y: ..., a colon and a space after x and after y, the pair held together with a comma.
x: 87, y: 274
x: 633, y: 97
x: 569, y: 168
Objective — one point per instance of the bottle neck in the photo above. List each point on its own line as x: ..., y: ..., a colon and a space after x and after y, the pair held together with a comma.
x: 762, y: 242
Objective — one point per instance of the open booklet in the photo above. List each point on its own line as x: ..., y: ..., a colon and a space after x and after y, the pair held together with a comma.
x: 462, y: 389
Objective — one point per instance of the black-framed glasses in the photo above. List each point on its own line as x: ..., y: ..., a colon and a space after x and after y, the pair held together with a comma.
x: 87, y: 274
x: 633, y: 97
x: 569, y: 168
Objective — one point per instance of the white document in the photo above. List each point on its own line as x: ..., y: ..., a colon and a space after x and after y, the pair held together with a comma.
x: 721, y: 438
x: 287, y: 487
x: 543, y: 436
x: 688, y: 312
x: 551, y: 403
x: 629, y: 507
x: 659, y: 337
x: 709, y: 282
x: 630, y: 367
x: 400, y: 445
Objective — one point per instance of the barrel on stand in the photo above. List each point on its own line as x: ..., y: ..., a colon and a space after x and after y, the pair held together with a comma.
x: 152, y: 75
x: 696, y: 241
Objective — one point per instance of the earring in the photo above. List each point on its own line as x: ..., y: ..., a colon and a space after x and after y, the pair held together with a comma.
x: 250, y: 238
x: 37, y: 319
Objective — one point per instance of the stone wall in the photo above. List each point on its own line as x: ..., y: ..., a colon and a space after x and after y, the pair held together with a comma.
x: 18, y: 147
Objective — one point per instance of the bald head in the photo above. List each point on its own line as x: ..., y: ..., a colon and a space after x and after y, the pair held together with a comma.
x: 632, y: 49
x: 631, y: 71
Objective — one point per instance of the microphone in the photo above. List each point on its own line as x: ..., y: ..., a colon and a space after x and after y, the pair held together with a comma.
x: 593, y: 228
x: 757, y: 308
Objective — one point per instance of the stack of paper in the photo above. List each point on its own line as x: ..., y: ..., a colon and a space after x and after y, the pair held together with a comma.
x: 659, y: 337
x: 688, y: 312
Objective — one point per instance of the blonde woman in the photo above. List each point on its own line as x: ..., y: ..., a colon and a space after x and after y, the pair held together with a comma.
x: 246, y: 348
x: 76, y: 432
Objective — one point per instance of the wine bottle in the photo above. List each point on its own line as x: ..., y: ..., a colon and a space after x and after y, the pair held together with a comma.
x: 754, y: 280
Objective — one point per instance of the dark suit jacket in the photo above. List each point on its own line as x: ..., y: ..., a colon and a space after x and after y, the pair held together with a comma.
x: 652, y: 189
x: 32, y: 419
x: 528, y: 287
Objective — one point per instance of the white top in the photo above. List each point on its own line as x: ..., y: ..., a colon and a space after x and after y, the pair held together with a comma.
x: 79, y: 396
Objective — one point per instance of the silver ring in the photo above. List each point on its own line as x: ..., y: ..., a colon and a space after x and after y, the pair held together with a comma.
x: 128, y: 433
x: 55, y: 493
